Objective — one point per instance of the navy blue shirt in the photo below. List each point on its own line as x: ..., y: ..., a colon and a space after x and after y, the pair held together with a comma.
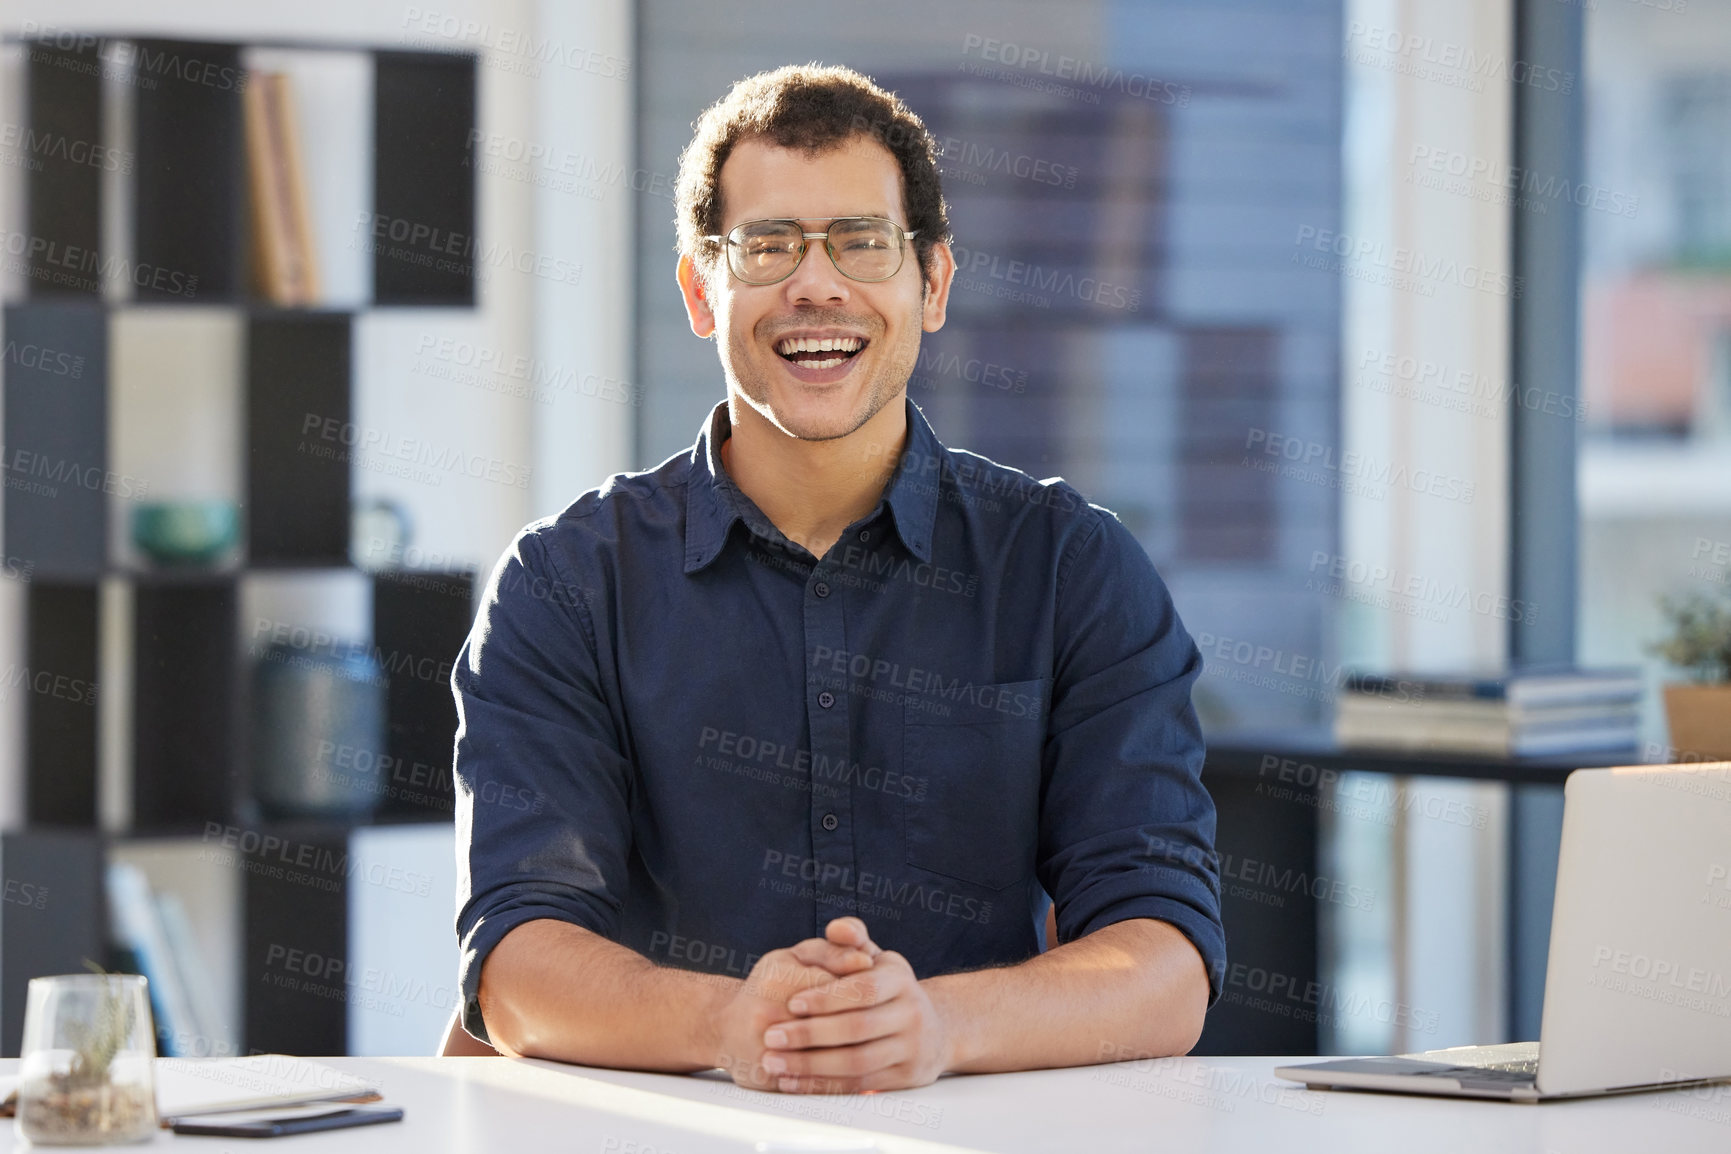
x: 682, y: 731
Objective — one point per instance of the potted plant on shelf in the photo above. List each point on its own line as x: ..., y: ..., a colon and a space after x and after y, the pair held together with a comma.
x: 1699, y: 713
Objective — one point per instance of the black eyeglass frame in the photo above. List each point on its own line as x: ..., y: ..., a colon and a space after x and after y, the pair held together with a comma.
x: 730, y: 242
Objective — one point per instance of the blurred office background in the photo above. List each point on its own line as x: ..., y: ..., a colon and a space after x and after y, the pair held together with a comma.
x: 1384, y: 369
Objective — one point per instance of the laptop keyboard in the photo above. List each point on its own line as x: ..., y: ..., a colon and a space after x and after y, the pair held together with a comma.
x: 1530, y: 1069
x: 1511, y: 1075
x: 1513, y: 1064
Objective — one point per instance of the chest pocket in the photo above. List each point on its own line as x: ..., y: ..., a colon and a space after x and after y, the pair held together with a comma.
x: 978, y: 818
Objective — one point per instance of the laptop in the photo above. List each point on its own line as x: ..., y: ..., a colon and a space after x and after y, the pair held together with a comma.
x: 1638, y: 983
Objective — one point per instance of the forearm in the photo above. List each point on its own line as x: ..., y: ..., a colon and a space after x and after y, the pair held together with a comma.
x: 550, y: 989
x: 1133, y: 988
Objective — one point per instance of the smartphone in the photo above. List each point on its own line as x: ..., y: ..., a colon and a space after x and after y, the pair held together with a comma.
x: 253, y: 1126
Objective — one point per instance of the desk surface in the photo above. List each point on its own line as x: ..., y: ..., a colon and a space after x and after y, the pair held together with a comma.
x: 1190, y: 1105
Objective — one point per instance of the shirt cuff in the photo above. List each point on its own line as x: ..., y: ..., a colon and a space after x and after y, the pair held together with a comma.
x: 488, y: 932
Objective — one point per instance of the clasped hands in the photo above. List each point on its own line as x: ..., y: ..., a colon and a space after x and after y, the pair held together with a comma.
x: 832, y: 1015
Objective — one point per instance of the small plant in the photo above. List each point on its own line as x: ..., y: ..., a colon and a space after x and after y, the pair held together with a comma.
x: 96, y: 1042
x: 86, y: 1075
x: 1700, y: 638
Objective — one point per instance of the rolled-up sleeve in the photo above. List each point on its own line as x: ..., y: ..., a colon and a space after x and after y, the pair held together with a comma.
x: 1127, y: 827
x: 542, y: 788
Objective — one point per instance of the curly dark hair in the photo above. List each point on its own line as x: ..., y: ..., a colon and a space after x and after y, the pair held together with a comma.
x: 810, y: 107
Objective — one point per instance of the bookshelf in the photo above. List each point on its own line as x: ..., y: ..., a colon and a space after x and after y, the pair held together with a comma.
x: 186, y: 245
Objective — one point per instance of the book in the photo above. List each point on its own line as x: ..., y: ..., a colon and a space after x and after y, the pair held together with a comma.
x: 190, y: 1086
x: 135, y: 927
x: 1531, y: 688
x: 1529, y: 712
x: 206, y: 1015
x: 1483, y: 712
x: 187, y: 1086
x: 1490, y: 739
x: 285, y: 267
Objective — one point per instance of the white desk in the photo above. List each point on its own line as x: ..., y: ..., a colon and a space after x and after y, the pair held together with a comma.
x: 1190, y: 1105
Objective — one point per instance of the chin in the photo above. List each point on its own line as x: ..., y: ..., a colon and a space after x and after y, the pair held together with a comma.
x: 819, y: 420
x: 818, y: 427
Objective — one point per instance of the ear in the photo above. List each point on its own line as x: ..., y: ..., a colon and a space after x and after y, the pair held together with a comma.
x: 696, y: 304
x: 937, y: 298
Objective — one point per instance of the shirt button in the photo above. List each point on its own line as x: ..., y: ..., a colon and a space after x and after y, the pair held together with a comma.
x: 826, y: 699
x: 821, y: 589
x: 830, y: 822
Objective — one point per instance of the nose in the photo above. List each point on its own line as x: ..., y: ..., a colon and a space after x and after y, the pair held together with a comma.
x: 816, y: 280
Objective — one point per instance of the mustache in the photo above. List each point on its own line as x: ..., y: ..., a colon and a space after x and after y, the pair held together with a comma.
x: 817, y: 318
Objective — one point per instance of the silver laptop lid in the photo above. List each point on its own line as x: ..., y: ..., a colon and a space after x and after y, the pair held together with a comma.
x: 1638, y: 986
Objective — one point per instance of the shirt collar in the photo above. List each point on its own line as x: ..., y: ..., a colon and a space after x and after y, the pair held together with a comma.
x: 713, y: 502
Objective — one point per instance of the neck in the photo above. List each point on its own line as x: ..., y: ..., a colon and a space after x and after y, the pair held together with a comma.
x: 812, y: 490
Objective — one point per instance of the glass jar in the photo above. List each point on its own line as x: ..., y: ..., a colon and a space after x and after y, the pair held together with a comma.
x: 86, y: 1078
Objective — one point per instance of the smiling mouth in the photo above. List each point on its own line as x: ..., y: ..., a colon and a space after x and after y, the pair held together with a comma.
x: 826, y: 353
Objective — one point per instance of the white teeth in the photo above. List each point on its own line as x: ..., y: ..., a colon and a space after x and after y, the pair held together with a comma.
x: 826, y: 345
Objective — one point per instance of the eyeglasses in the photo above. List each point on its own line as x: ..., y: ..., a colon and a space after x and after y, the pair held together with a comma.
x: 864, y: 248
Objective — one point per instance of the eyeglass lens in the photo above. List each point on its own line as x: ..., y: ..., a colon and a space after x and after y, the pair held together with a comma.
x: 768, y: 250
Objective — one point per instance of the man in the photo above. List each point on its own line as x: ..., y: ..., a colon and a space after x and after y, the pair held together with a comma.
x: 824, y: 709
